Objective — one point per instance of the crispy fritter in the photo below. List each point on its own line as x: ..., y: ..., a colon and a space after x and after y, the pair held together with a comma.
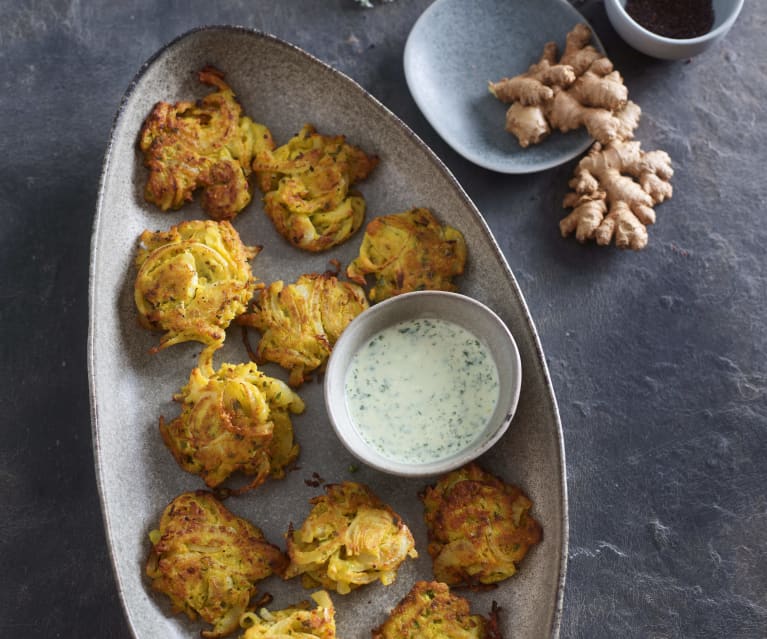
x: 192, y: 281
x: 350, y: 538
x: 300, y: 323
x: 236, y: 419
x: 408, y: 251
x: 297, y: 621
x: 479, y: 527
x: 207, y: 560
x: 307, y: 186
x: 208, y: 145
x: 431, y: 611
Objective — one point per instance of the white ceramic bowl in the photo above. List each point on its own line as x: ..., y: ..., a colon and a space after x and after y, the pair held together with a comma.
x: 652, y: 44
x: 464, y: 311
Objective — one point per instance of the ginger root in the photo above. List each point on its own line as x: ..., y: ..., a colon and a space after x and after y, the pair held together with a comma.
x: 581, y: 89
x: 614, y: 190
x: 529, y: 93
x: 616, y: 185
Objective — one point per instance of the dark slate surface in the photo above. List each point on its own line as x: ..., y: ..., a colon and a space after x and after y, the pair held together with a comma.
x: 657, y: 358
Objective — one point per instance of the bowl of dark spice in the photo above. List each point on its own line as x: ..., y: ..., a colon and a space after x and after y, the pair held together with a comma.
x: 672, y: 29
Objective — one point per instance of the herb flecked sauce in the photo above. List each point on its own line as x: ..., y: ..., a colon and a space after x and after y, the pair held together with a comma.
x: 421, y: 390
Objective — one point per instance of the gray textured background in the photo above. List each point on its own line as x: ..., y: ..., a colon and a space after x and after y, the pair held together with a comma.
x: 657, y: 358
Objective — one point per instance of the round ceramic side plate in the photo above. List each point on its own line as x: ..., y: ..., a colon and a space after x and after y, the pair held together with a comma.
x: 456, y: 47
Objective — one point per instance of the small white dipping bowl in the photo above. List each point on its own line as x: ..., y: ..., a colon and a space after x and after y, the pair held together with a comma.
x: 464, y: 311
x: 652, y: 44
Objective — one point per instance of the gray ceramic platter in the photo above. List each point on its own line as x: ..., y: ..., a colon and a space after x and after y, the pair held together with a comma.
x: 284, y: 87
x: 456, y: 47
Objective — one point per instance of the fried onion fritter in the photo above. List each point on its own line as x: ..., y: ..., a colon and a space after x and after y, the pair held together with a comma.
x: 408, y: 251
x: 479, y: 527
x: 208, y: 145
x: 236, y: 419
x: 300, y: 323
x: 350, y: 538
x: 297, y: 621
x: 207, y: 560
x: 307, y: 188
x: 431, y: 611
x: 192, y: 281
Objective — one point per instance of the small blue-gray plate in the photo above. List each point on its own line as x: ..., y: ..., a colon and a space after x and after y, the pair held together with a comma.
x: 456, y: 47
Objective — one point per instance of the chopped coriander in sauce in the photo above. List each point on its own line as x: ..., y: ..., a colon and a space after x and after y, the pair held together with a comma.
x: 421, y: 390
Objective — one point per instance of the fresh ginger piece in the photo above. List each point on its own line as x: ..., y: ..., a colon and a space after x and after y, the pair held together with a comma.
x: 617, y: 185
x: 581, y: 89
x: 586, y: 218
x: 627, y: 228
x: 601, y: 91
x: 527, y: 123
x: 615, y: 188
x: 578, y: 53
x: 567, y: 114
x: 529, y: 93
x: 534, y: 86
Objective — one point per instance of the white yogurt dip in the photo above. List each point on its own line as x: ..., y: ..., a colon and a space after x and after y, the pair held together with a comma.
x: 421, y: 390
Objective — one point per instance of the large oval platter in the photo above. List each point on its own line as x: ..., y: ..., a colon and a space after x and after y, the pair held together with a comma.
x: 283, y: 87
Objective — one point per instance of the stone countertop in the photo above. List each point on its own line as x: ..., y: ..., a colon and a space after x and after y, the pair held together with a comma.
x: 658, y: 358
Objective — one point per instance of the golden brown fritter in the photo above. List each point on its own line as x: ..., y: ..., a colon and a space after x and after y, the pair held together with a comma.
x: 235, y: 419
x: 349, y: 538
x: 297, y: 621
x: 207, y: 560
x: 431, y: 611
x: 479, y: 527
x: 408, y: 251
x: 300, y: 323
x: 307, y: 185
x: 192, y: 281
x: 208, y: 145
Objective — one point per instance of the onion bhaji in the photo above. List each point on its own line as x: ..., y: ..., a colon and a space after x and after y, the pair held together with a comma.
x: 297, y: 621
x: 192, y: 281
x: 479, y: 527
x: 431, y: 611
x: 349, y: 538
x: 208, y: 145
x: 207, y: 561
x: 408, y: 251
x: 236, y: 419
x: 307, y: 188
x: 300, y: 323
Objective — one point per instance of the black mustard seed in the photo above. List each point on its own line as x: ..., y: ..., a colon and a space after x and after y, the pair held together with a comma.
x: 680, y: 19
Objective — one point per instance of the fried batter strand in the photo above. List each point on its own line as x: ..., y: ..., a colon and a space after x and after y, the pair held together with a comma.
x: 297, y: 621
x: 350, y: 538
x: 479, y: 527
x: 192, y: 281
x: 408, y: 251
x: 207, y: 560
x: 300, y: 323
x: 236, y: 419
x: 307, y: 184
x: 431, y: 611
x: 208, y: 145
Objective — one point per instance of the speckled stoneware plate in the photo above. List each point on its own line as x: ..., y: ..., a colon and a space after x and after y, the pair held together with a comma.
x: 456, y: 47
x: 283, y: 87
